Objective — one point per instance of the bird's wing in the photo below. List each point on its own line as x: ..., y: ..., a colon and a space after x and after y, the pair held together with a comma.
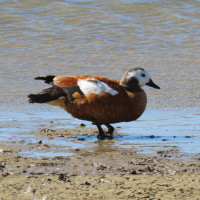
x: 67, y: 81
x: 86, y: 84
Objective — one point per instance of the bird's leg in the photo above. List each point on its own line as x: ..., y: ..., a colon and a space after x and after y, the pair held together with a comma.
x: 110, y: 130
x: 101, y: 135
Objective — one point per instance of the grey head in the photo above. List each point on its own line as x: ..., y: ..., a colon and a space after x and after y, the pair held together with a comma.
x: 135, y: 78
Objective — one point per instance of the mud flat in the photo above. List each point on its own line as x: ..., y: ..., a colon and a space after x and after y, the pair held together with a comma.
x: 99, y: 173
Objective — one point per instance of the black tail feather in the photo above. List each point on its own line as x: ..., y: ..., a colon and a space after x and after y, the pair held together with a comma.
x: 47, y: 79
x: 39, y: 98
x: 49, y: 94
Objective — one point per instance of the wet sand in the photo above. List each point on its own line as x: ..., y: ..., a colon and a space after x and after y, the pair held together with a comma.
x: 98, y: 174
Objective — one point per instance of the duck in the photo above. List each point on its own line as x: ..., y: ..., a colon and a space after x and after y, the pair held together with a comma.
x: 100, y: 100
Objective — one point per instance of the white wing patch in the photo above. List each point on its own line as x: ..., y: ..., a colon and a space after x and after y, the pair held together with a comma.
x: 94, y: 86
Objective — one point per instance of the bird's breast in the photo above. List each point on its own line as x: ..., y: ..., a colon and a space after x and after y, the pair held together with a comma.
x: 106, y: 108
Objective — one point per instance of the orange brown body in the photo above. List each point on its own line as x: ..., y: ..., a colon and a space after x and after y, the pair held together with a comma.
x: 126, y: 103
x: 105, y: 108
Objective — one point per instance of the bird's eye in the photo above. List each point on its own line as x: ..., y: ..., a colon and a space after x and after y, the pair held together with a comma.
x: 143, y: 75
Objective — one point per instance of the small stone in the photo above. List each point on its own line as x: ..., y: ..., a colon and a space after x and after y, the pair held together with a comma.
x: 62, y: 177
x: 133, y: 172
x: 87, y: 183
x: 33, y: 191
x: 47, y: 130
x: 45, y: 146
x: 5, y: 174
x: 160, y: 152
x: 105, y: 181
x: 81, y: 139
x: 82, y: 125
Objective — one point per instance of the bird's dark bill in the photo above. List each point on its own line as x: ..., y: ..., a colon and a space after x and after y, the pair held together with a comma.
x: 152, y: 84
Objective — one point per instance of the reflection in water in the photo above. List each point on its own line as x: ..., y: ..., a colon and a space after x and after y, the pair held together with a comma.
x: 106, y: 146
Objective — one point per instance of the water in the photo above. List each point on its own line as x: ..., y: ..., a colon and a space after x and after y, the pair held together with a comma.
x: 104, y: 38
x: 156, y: 130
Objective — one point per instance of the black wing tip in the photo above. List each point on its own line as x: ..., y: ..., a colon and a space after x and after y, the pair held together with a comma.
x: 40, y: 78
x: 47, y: 79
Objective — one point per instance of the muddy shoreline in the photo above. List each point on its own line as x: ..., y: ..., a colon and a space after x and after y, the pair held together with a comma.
x: 98, y: 173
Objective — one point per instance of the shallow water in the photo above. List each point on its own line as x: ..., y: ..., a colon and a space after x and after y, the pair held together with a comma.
x: 104, y: 38
x: 156, y: 130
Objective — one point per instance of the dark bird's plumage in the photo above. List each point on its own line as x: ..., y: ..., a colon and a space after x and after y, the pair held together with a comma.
x: 47, y: 79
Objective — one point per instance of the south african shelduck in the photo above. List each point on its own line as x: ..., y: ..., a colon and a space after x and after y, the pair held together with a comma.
x: 98, y: 99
